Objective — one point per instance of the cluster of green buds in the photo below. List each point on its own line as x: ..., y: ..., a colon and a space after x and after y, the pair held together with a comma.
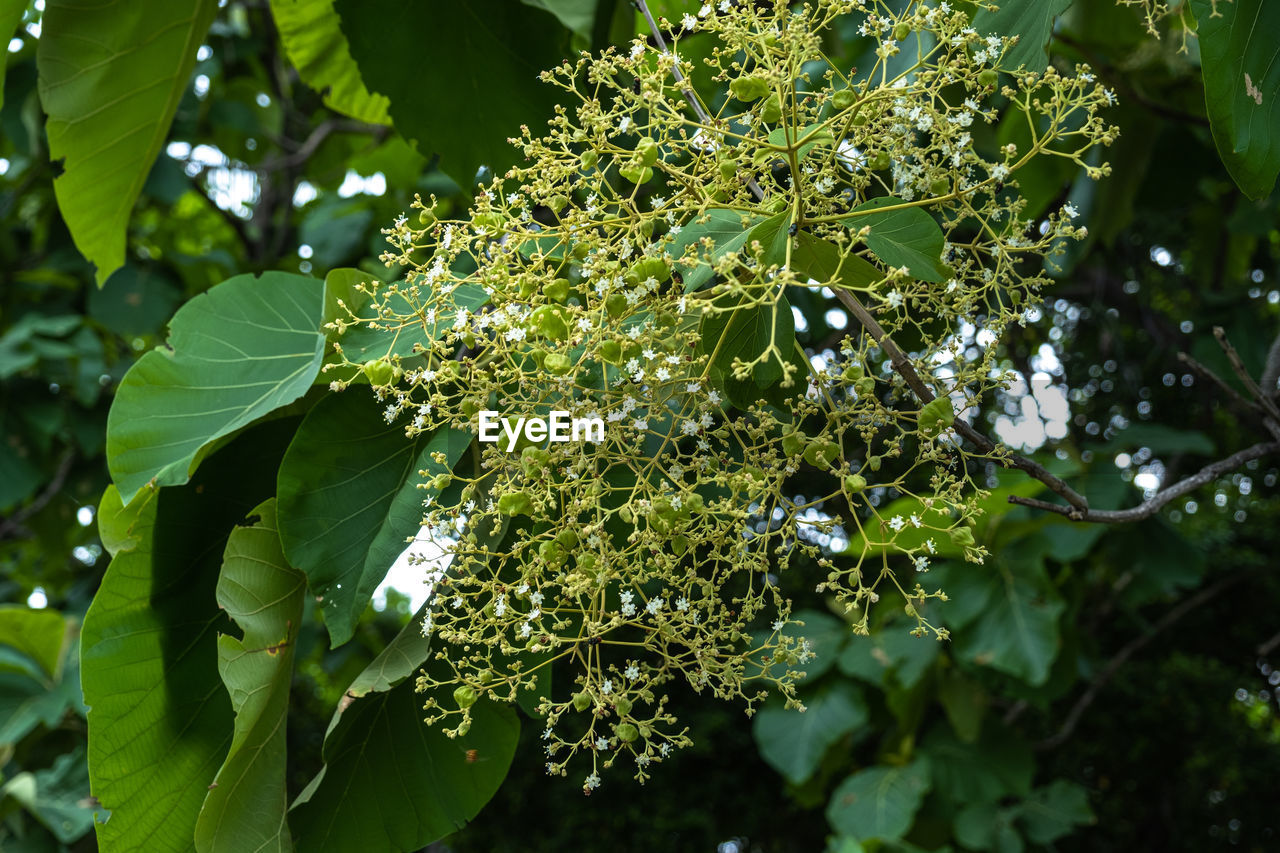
x: 639, y: 268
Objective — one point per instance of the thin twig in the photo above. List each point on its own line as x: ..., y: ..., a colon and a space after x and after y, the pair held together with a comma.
x: 1237, y: 365
x: 14, y: 523
x: 1232, y: 394
x: 1113, y: 666
x: 1150, y: 507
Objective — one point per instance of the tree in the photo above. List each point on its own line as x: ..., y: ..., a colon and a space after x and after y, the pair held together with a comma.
x: 889, y: 435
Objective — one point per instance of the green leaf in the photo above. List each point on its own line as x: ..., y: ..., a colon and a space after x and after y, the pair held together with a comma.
x: 28, y: 698
x: 392, y: 783
x: 996, y: 766
x: 237, y: 352
x: 728, y: 230
x: 111, y: 77
x: 576, y: 15
x: 793, y: 743
x: 1161, y: 439
x: 985, y: 826
x: 350, y: 500
x: 822, y: 261
x: 1017, y: 632
x: 490, y: 98
x: 965, y: 704
x: 890, y: 650
x: 1031, y: 21
x: 39, y: 634
x: 1053, y: 811
x: 772, y: 235
x: 57, y: 796
x: 907, y: 237
x: 159, y: 720
x: 313, y: 39
x: 1240, y: 58
x: 11, y: 12
x: 245, y: 810
x: 745, y: 334
x: 879, y: 802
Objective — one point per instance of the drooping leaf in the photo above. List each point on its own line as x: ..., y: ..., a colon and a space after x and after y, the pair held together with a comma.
x: 30, y: 697
x: 237, y: 352
x: 890, y: 650
x: 965, y: 704
x: 1031, y: 21
x: 879, y: 802
x: 245, y: 808
x: 40, y: 634
x: 986, y: 826
x: 1240, y: 58
x: 57, y: 796
x: 1055, y: 810
x: 314, y: 42
x: 392, y: 783
x: 577, y: 15
x: 490, y: 98
x: 159, y: 720
x: 111, y: 77
x: 999, y: 765
x: 907, y: 237
x: 821, y: 261
x: 350, y: 500
x: 726, y: 229
x: 793, y: 743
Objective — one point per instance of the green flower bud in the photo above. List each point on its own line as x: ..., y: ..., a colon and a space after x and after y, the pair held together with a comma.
x: 855, y: 483
x: 465, y: 696
x: 515, y: 503
x: 748, y: 89
x: 616, y: 305
x: 626, y: 732
x: 842, y: 99
x: 379, y: 372
x: 558, y: 290
x: 581, y: 701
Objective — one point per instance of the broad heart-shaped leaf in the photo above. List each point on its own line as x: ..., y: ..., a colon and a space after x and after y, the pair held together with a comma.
x: 11, y: 12
x: 1016, y: 630
x: 1031, y: 21
x: 237, y: 352
x: 1240, y: 58
x: 313, y: 39
x: 480, y: 74
x: 159, y: 719
x: 879, y: 802
x: 350, y: 499
x: 391, y: 782
x: 245, y: 808
x: 728, y: 231
x: 111, y: 77
x: 907, y: 237
x: 793, y: 743
x: 744, y: 334
x: 822, y: 261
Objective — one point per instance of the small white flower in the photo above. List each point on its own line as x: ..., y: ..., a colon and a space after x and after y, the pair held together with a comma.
x: 897, y: 523
x: 607, y: 687
x: 632, y: 672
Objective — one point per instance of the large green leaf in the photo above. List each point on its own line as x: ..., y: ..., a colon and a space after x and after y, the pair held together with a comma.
x: 1017, y: 630
x: 891, y: 649
x: 1240, y: 58
x: 822, y: 261
x: 907, y: 237
x: 40, y: 634
x: 57, y: 796
x: 245, y: 808
x: 159, y: 720
x: 313, y: 39
x: 1055, y: 810
x: 879, y: 802
x: 111, y: 77
x: 350, y: 500
x: 392, y: 783
x: 480, y: 74
x: 727, y: 230
x: 1031, y: 21
x: 793, y: 743
x: 243, y: 349
x: 30, y: 694
x: 999, y: 765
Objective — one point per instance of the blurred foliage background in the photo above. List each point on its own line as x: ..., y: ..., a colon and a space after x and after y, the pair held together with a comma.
x: 1107, y: 687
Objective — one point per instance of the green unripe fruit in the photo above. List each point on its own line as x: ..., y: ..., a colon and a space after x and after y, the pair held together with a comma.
x: 463, y: 728
x: 589, y: 159
x: 842, y: 99
x: 528, y: 286
x: 940, y: 187
x: 855, y: 483
x: 647, y: 151
x: 748, y: 89
x: 654, y: 268
x: 936, y: 416
x: 853, y: 372
x: 492, y: 220
x: 728, y: 168
x: 861, y: 118
x: 485, y: 676
x: 516, y: 503
x: 793, y: 443
x: 465, y: 696
x: 557, y: 364
x: 558, y: 290
x: 558, y: 203
x: 679, y: 544
x: 865, y: 386
x: 426, y: 217
x: 580, y: 251
x: 771, y: 112
x: 988, y: 78
x: 901, y: 31
x: 581, y: 701
x: 820, y: 454
x: 550, y: 323
x: 616, y: 305
x: 623, y: 705
x: 646, y: 228
x: 880, y: 161
x: 694, y: 503
x: 873, y: 463
x: 379, y: 372
x: 636, y: 174
x: 627, y: 732
x: 470, y: 408
x: 551, y: 552
x: 611, y: 351
x: 962, y: 537
x: 538, y: 355
x: 587, y: 562
x: 440, y: 482
x: 778, y: 203
x: 567, y: 539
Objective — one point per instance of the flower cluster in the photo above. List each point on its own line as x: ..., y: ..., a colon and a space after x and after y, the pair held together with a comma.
x: 639, y: 267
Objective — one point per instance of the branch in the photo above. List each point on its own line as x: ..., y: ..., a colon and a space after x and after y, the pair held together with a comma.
x: 1150, y: 507
x: 1113, y: 666
x: 13, y: 524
